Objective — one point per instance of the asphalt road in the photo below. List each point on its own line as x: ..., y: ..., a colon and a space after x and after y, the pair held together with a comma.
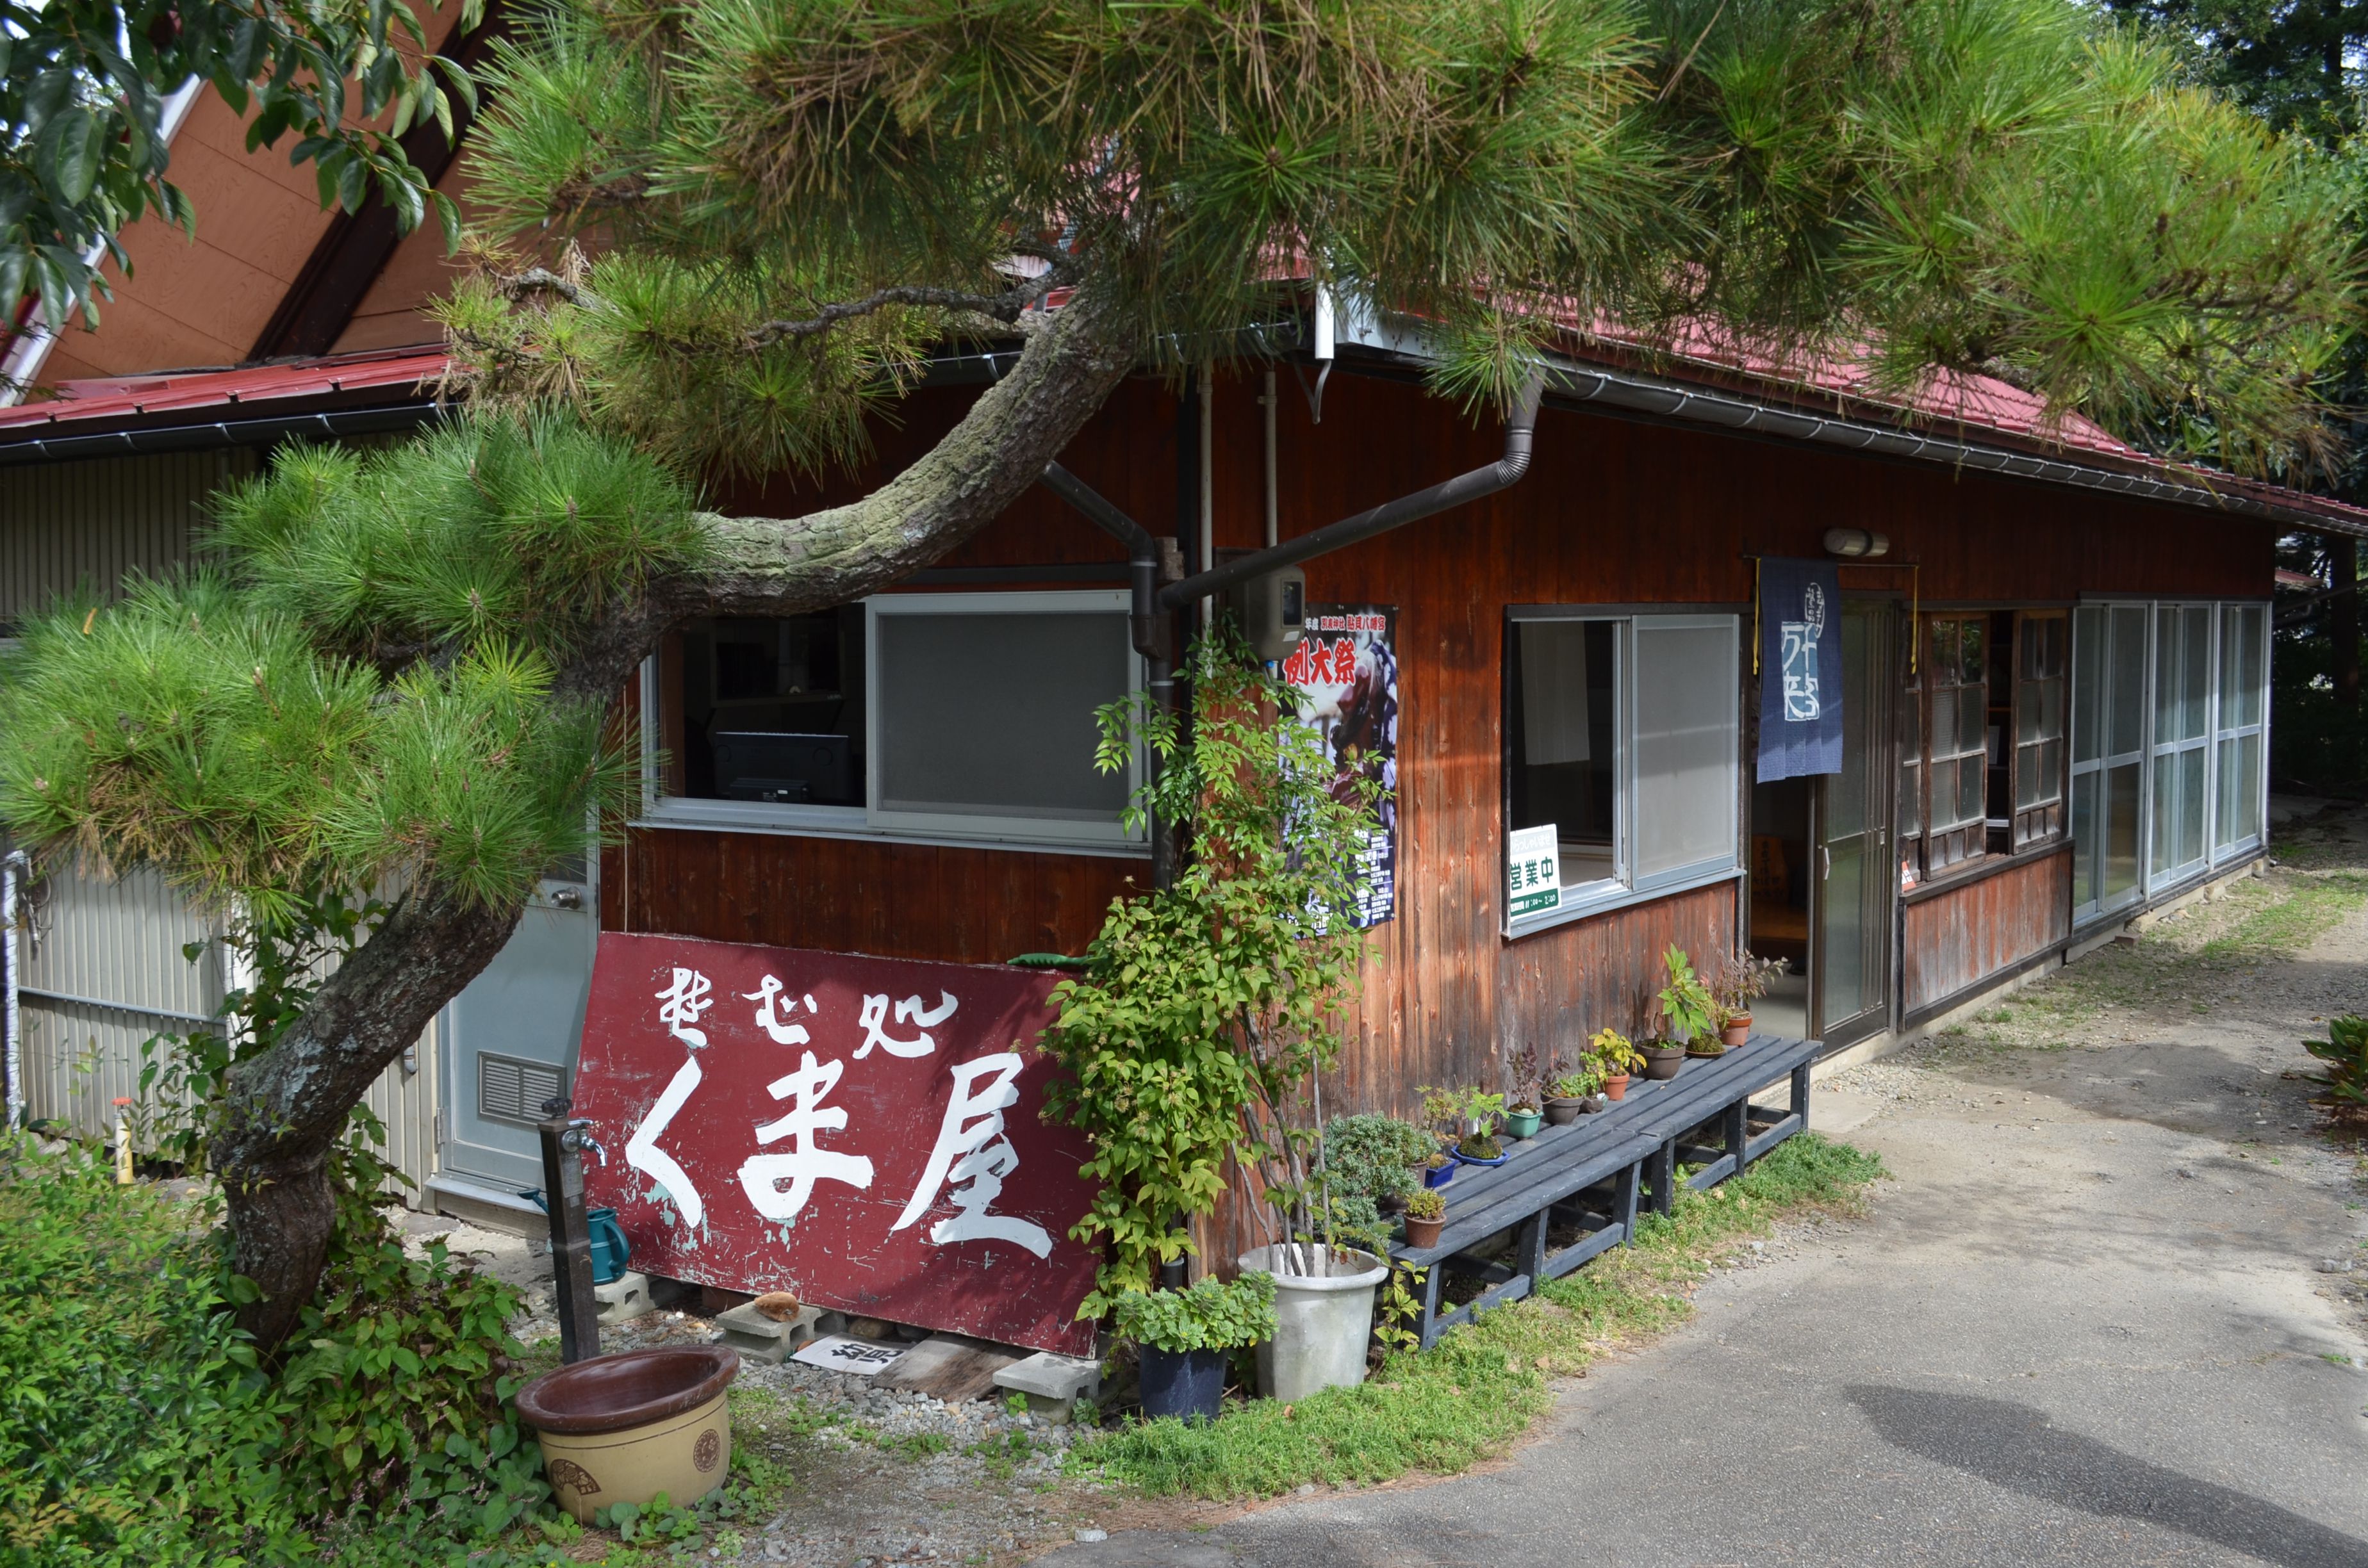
x: 2085, y: 1324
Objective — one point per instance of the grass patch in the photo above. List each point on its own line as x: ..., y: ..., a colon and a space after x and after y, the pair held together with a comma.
x: 2272, y: 926
x: 1472, y: 1394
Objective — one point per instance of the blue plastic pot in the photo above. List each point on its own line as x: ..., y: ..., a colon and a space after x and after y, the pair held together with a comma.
x: 1463, y: 1159
x: 1441, y: 1177
x: 1187, y: 1383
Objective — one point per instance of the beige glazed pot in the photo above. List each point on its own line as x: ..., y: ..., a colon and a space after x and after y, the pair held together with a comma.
x: 623, y: 1428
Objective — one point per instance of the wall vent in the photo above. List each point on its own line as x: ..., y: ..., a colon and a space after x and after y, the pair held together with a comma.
x: 512, y: 1090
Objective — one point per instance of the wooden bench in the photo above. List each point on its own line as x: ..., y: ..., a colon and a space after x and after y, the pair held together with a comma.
x: 1592, y: 1175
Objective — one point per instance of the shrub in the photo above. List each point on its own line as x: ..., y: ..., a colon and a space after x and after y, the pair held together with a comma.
x: 2345, y: 1052
x: 1207, y: 1316
x: 1426, y: 1203
x: 138, y: 1427
x: 1367, y: 1160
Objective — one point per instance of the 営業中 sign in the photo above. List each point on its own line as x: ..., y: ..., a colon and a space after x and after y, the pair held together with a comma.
x: 862, y: 1132
x: 1532, y: 870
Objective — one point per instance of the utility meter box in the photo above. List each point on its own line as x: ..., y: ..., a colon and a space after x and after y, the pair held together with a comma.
x: 1271, y: 612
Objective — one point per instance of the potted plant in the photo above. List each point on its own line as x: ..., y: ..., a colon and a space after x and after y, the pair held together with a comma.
x: 1425, y: 1212
x: 1741, y: 978
x: 1691, y: 1014
x: 1575, y: 1093
x: 1475, y: 1115
x: 1188, y: 1337
x: 1532, y: 1079
x: 1437, y: 1170
x: 1613, y: 1059
x: 1370, y: 1165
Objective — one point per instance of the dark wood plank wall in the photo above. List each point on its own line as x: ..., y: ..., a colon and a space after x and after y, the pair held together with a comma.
x: 1955, y: 939
x: 1612, y: 512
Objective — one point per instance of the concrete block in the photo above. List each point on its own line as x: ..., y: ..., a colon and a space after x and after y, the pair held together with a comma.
x: 624, y: 1298
x: 759, y: 1338
x: 1052, y: 1383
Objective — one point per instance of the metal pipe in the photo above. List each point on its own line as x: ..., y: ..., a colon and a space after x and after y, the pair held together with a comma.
x: 1146, y: 624
x: 13, y: 868
x: 1519, y: 427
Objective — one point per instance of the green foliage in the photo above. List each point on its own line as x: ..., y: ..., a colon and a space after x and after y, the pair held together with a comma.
x: 1193, y: 1037
x: 1585, y: 1079
x: 1611, y: 1053
x: 1207, y: 1315
x: 2345, y: 1052
x: 1480, y: 1387
x: 137, y: 1427
x: 1369, y: 1158
x: 1685, y: 1001
x: 83, y: 89
x: 234, y: 727
x: 1426, y: 1203
x: 2010, y: 187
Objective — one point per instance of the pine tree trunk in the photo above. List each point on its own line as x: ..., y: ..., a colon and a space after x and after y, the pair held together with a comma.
x: 289, y: 1105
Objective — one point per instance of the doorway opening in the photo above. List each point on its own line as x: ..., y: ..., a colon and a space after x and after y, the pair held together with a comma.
x: 1776, y: 923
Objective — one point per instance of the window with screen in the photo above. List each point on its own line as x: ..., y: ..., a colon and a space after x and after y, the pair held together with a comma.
x: 960, y: 715
x: 1956, y: 741
x: 1622, y: 736
x: 2043, y: 644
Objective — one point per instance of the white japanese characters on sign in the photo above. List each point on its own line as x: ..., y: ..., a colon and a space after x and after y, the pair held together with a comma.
x: 973, y: 1152
x: 908, y: 1011
x: 804, y: 1163
x: 1533, y: 870
x: 775, y: 1016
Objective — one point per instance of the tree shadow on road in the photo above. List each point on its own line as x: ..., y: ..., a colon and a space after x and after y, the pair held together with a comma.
x: 2013, y: 1445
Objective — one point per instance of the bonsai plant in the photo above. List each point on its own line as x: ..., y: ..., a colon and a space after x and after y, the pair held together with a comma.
x: 1532, y: 1078
x: 1188, y: 1337
x: 1573, y: 1094
x: 1691, y: 1014
x: 1425, y: 1212
x: 1474, y: 1115
x: 1370, y: 1165
x: 1437, y: 1170
x: 1613, y: 1058
x: 1740, y: 979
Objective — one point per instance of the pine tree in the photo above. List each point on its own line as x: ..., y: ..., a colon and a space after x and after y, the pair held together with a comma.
x: 395, y: 674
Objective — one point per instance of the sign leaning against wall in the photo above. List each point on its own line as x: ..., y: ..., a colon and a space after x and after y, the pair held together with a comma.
x: 865, y: 1133
x: 1346, y: 672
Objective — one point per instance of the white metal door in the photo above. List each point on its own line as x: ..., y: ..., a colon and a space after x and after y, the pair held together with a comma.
x: 510, y: 1039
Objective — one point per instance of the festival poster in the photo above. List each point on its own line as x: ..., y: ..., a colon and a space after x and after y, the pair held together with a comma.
x: 865, y: 1133
x: 1346, y: 672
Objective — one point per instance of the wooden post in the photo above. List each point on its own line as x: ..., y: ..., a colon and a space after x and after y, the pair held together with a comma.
x: 1738, y: 1136
x: 571, y: 1237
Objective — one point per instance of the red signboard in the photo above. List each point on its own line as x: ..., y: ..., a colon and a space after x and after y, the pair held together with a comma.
x: 863, y: 1133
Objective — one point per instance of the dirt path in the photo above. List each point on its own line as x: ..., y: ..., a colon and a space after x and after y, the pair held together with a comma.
x: 2113, y: 1308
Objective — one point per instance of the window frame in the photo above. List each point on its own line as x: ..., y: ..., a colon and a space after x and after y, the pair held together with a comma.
x: 869, y: 821
x: 1625, y: 888
x: 2173, y: 749
x: 2221, y: 733
x: 2024, y: 830
x: 1973, y: 833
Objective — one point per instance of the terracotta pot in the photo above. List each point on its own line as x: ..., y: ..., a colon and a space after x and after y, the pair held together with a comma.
x: 1737, y: 1030
x: 1424, y: 1233
x: 1563, y: 1110
x: 1662, y: 1061
x: 623, y: 1428
x: 1615, y: 1087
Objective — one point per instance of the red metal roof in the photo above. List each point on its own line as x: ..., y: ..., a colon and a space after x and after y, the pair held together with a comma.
x: 264, y: 389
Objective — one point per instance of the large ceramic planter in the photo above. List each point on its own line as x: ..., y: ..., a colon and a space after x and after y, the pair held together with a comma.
x: 1323, y: 1318
x: 1190, y: 1384
x: 623, y: 1428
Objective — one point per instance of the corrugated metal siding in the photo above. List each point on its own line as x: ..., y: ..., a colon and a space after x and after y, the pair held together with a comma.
x: 83, y: 526
x: 103, y: 968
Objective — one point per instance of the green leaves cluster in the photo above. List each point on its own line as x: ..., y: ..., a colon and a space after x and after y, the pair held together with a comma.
x: 137, y: 1426
x: 83, y: 86
x: 1686, y: 1002
x: 790, y: 197
x: 1206, y: 1315
x: 2345, y: 1052
x: 359, y: 692
x: 1192, y: 1040
x: 1367, y: 1158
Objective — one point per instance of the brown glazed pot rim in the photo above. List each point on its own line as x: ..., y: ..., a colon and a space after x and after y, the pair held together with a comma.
x: 610, y: 1394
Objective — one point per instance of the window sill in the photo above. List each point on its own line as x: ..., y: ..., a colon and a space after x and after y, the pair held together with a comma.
x: 845, y: 823
x: 1989, y: 866
x: 1610, y: 904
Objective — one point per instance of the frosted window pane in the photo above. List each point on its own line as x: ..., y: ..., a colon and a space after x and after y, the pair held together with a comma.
x: 2191, y: 806
x: 2120, y: 831
x: 2195, y: 687
x: 2088, y: 684
x: 992, y: 715
x: 2166, y: 835
x: 1553, y: 692
x: 2125, y: 703
x: 1688, y: 748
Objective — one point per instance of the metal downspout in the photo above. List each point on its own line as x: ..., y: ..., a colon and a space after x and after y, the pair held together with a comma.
x: 1143, y: 621
x: 1520, y: 428
x: 13, y: 868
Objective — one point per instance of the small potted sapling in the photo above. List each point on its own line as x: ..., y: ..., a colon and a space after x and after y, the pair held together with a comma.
x: 1186, y: 1339
x: 1578, y: 1092
x: 1689, y: 1014
x: 1425, y: 1212
x: 1615, y: 1057
x: 1475, y: 1115
x: 1533, y: 1081
x: 1741, y: 979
